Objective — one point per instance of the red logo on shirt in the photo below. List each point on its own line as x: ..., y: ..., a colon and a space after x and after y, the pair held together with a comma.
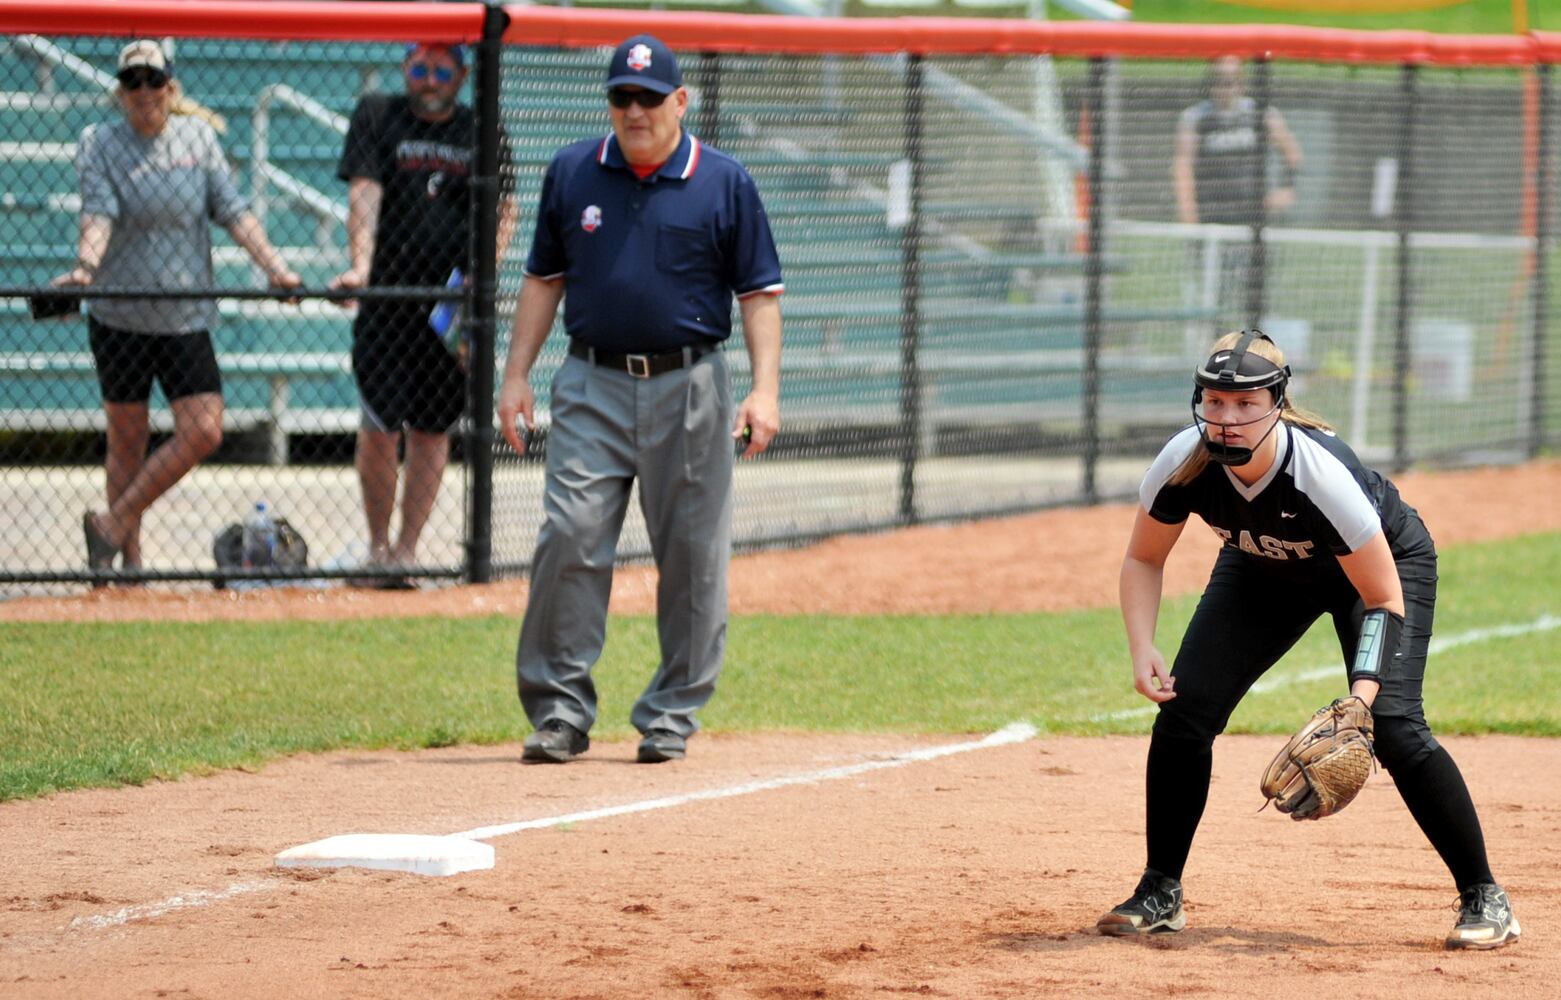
x: 639, y: 57
x: 591, y: 218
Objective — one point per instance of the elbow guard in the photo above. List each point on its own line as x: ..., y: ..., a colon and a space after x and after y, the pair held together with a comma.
x: 1377, y: 648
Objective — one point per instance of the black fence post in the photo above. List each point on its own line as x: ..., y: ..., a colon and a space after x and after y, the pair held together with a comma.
x: 481, y: 302
x: 1257, y: 255
x: 1404, y: 218
x: 1093, y: 271
x: 710, y: 98
x: 910, y: 309
x: 1541, y: 278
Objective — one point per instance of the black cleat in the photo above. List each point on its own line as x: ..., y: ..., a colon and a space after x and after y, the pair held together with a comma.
x: 1485, y: 919
x: 1155, y: 908
x: 555, y: 742
x: 662, y: 745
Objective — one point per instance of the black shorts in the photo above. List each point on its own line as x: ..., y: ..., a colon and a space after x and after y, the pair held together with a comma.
x: 127, y: 362
x: 406, y: 376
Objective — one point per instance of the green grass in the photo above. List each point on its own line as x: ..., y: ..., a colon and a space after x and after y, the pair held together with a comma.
x: 1475, y: 17
x: 104, y: 704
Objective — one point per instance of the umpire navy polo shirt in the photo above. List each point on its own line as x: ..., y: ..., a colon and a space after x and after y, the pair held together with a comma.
x: 651, y: 265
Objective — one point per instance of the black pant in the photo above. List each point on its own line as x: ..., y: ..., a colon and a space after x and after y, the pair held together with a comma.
x: 1248, y: 618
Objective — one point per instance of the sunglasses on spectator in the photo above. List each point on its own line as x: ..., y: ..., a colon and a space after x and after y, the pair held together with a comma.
x: 420, y: 71
x: 646, y: 99
x: 142, y: 76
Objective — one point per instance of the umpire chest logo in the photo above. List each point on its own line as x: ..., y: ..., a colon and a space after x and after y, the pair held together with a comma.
x: 591, y: 218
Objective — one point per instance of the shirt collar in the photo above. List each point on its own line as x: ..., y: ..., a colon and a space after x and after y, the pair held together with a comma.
x: 679, y: 166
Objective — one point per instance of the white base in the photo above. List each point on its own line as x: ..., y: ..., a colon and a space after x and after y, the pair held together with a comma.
x: 402, y: 852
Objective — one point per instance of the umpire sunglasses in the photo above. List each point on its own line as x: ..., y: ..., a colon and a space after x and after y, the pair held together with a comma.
x: 647, y: 99
x: 137, y: 77
x: 421, y: 71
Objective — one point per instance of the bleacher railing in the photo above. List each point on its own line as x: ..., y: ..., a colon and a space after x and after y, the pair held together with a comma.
x: 992, y: 302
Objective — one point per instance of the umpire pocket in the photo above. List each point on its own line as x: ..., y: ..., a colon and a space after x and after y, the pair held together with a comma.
x: 708, y: 411
x: 682, y: 250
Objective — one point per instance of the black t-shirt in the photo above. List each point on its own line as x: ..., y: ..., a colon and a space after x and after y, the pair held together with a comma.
x: 425, y: 169
x: 1229, y: 162
x: 1318, y: 502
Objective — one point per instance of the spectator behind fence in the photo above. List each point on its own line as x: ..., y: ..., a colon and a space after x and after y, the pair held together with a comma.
x: 408, y: 161
x: 149, y: 185
x: 1220, y: 168
x: 650, y: 233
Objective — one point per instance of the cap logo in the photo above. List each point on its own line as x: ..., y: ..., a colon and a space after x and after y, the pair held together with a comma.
x: 639, y: 57
x: 591, y: 218
x: 1220, y: 359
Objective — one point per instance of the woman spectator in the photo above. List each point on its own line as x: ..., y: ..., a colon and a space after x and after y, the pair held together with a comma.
x: 149, y: 185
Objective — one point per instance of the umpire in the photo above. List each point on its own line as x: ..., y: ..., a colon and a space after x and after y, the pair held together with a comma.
x: 646, y: 234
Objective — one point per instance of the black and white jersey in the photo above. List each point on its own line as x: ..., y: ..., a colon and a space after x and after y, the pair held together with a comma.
x: 1228, y: 164
x: 1316, y: 503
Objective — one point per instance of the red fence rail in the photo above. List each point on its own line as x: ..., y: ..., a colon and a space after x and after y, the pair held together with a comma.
x: 573, y: 27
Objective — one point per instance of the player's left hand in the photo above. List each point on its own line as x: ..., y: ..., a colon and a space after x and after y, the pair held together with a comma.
x: 758, y: 421
x: 1324, y: 766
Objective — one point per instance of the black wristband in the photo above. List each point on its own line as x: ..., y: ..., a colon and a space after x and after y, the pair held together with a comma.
x: 1377, y: 648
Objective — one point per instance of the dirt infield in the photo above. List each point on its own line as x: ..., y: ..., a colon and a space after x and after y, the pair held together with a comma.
x: 970, y: 875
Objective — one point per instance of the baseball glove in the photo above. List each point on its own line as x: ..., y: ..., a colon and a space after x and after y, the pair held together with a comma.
x: 1325, y: 764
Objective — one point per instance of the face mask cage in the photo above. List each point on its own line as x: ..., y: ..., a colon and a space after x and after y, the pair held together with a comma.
x: 1237, y: 370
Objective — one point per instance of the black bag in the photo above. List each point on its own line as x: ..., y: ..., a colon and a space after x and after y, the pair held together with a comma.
x: 227, y: 549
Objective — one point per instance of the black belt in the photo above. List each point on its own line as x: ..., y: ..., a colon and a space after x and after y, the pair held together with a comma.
x: 641, y: 365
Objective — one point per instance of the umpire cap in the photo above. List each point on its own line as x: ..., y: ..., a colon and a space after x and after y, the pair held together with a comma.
x: 644, y: 61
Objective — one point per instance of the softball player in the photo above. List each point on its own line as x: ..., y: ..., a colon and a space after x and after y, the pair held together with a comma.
x: 1308, y: 530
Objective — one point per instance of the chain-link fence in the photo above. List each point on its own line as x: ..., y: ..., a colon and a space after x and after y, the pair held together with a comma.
x: 999, y: 272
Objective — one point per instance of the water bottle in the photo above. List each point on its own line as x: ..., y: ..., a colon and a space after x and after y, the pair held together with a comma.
x: 445, y: 318
x: 260, y: 539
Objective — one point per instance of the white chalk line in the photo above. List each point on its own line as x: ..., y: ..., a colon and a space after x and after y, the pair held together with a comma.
x: 1544, y: 623
x: 1017, y: 732
x: 183, y: 901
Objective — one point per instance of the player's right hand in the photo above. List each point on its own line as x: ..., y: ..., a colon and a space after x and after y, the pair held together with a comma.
x: 516, y: 403
x: 1151, y: 677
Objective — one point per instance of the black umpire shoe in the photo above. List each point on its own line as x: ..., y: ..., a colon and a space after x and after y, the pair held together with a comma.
x: 1155, y: 908
x: 662, y: 745
x: 1485, y: 918
x: 555, y: 742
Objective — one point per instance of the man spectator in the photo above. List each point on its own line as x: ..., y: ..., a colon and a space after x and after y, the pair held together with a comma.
x: 650, y: 233
x: 408, y: 160
x: 1220, y: 167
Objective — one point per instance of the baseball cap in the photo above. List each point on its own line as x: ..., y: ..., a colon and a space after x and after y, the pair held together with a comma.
x: 457, y: 52
x: 143, y: 53
x: 644, y: 61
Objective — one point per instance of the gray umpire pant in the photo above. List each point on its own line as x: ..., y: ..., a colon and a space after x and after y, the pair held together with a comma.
x: 672, y: 432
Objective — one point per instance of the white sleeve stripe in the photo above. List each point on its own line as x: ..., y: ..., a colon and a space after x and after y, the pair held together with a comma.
x: 1327, y: 482
x: 1165, y: 465
x: 542, y: 277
